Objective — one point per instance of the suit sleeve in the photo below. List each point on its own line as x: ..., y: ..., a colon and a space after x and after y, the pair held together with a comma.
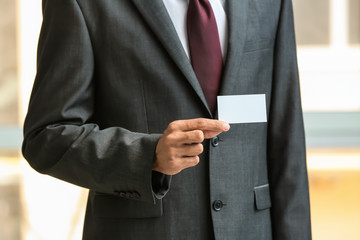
x: 60, y: 138
x: 286, y: 139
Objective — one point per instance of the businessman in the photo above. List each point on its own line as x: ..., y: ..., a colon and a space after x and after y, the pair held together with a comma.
x: 124, y: 104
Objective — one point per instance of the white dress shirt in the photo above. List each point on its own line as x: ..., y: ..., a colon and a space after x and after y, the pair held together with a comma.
x: 177, y: 10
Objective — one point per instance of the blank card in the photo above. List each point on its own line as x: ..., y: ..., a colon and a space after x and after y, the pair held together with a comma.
x: 242, y: 108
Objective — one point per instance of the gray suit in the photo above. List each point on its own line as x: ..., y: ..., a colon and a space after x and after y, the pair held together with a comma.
x: 112, y: 74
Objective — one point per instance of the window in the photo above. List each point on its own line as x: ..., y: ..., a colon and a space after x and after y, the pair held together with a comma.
x: 328, y: 38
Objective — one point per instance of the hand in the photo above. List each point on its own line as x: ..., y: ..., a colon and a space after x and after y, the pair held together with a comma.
x: 178, y: 148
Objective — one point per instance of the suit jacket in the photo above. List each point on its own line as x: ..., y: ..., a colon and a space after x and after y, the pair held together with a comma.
x: 112, y: 74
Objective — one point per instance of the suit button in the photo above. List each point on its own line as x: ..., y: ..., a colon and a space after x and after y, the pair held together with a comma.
x: 217, y: 205
x: 136, y: 195
x: 133, y: 195
x: 215, y: 141
x: 120, y: 193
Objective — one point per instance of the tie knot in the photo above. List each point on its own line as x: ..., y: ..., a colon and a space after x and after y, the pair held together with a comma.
x: 202, y: 7
x: 201, y: 1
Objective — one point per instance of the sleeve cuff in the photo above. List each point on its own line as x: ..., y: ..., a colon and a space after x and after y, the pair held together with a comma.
x: 160, y: 184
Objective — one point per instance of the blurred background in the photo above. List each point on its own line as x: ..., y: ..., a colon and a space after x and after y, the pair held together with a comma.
x: 36, y: 207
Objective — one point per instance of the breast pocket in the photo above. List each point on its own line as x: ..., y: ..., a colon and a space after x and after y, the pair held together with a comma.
x: 110, y: 206
x: 257, y: 45
x: 262, y: 197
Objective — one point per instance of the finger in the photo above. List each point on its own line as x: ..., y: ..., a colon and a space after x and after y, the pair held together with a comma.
x: 199, y: 124
x: 191, y: 161
x: 190, y: 150
x: 178, y: 139
x: 210, y: 134
x: 191, y: 137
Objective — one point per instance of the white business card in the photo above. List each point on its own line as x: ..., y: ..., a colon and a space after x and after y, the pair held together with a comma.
x: 242, y: 108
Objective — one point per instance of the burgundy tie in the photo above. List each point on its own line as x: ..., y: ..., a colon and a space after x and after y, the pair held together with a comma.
x: 205, y: 49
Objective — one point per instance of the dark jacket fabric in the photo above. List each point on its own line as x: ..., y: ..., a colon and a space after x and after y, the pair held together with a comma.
x: 111, y: 76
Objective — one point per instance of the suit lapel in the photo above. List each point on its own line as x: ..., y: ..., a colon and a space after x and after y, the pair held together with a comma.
x: 158, y: 19
x: 237, y: 22
x: 160, y: 22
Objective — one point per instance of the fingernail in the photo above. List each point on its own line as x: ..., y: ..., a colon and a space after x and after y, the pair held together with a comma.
x: 226, y: 126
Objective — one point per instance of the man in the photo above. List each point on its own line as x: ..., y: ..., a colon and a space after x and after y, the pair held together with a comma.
x: 124, y: 106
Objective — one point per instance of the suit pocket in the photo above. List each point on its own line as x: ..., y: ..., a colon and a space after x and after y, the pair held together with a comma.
x: 257, y: 45
x: 262, y: 197
x: 110, y: 206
